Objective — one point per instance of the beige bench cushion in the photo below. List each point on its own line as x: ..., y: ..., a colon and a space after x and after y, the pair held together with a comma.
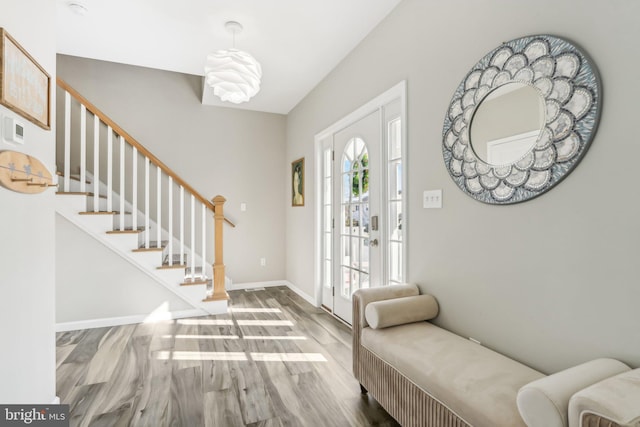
x: 476, y: 383
x: 399, y: 311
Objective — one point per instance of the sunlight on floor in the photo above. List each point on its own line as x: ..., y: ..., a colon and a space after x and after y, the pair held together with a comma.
x: 264, y: 322
x: 202, y: 337
x: 235, y: 337
x: 240, y: 356
x: 284, y: 337
x: 228, y: 322
x: 212, y: 322
x: 253, y: 310
x: 160, y: 314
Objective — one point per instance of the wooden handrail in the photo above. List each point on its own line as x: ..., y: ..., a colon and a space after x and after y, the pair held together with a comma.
x: 141, y: 148
x: 132, y: 141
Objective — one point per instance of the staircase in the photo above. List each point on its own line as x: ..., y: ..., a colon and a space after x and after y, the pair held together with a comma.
x: 131, y: 202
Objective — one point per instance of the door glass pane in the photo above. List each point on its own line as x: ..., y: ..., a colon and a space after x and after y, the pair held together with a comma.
x: 364, y: 281
x: 395, y: 261
x: 346, y: 188
x: 345, y: 281
x: 395, y: 139
x: 355, y: 215
x: 354, y: 279
x: 395, y: 220
x: 346, y: 251
x: 364, y: 252
x: 365, y: 228
x: 355, y: 253
x: 355, y: 220
x: 395, y: 180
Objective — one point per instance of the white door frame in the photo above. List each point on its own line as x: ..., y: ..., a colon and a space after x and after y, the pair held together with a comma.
x: 399, y: 91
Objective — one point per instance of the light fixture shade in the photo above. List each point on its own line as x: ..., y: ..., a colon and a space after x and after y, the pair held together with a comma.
x: 233, y: 74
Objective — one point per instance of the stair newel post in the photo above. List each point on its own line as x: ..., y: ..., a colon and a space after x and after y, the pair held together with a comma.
x: 219, y: 292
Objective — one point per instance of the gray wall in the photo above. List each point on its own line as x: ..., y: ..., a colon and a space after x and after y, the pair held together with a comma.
x: 27, y: 227
x: 238, y: 154
x: 551, y: 282
x: 93, y: 282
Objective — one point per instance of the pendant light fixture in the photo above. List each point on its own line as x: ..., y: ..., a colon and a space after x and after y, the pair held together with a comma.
x: 233, y: 74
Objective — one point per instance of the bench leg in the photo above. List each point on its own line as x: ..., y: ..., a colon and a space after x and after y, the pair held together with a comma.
x: 362, y: 389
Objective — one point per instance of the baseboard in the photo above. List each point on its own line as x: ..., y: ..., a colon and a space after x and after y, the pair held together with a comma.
x: 254, y: 285
x: 288, y: 284
x: 299, y: 291
x: 127, y: 320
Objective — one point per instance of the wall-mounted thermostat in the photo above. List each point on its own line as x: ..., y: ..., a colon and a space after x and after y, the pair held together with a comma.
x: 13, y: 130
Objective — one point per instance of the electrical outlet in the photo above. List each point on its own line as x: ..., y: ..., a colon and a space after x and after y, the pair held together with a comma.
x: 263, y: 262
x: 432, y: 199
x: 243, y: 207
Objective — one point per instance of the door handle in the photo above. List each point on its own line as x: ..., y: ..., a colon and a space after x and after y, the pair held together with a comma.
x: 373, y: 243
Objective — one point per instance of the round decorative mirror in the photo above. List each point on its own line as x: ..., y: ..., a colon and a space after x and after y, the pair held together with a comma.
x: 521, y: 119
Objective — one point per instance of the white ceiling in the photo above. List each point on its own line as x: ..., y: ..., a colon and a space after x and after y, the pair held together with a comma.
x: 297, y: 42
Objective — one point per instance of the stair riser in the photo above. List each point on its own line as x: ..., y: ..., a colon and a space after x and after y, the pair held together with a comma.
x: 150, y: 260
x: 70, y: 206
x: 124, y: 242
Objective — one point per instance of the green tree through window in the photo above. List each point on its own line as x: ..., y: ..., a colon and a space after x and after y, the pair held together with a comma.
x: 355, y: 187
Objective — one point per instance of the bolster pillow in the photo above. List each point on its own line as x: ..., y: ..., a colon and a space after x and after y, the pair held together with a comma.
x: 545, y: 402
x: 398, y: 311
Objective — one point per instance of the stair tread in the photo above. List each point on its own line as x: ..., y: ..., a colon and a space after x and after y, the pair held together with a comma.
x: 153, y: 245
x: 189, y: 282
x: 98, y: 213
x: 103, y: 213
x: 127, y: 230
x: 149, y: 249
x: 169, y: 267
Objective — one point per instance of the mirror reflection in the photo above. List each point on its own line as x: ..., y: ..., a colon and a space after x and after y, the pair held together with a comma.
x: 507, y: 123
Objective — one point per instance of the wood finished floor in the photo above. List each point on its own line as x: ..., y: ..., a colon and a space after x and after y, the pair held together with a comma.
x: 274, y: 360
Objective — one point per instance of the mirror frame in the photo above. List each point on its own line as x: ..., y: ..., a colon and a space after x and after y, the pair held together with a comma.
x: 570, y: 86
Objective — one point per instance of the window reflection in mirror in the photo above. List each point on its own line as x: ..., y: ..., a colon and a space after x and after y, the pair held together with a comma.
x: 507, y: 123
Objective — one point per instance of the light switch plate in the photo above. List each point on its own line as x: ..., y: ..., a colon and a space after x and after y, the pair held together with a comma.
x: 432, y: 199
x: 243, y: 207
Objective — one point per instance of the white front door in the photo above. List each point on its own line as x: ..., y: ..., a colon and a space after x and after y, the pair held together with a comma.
x: 356, y: 211
x: 361, y: 222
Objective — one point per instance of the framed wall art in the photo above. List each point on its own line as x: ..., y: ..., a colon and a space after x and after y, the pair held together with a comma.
x: 24, y: 84
x: 297, y: 182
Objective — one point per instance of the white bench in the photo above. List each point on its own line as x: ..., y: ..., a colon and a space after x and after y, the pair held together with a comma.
x: 426, y: 376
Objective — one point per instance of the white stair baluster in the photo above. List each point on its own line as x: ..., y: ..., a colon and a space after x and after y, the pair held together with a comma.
x: 159, y: 207
x: 96, y: 163
x: 192, y: 261
x: 109, y: 169
x: 67, y: 141
x: 122, y: 182
x: 204, y: 240
x: 134, y: 188
x: 170, y: 221
x: 83, y: 148
x: 182, y: 225
x: 147, y: 232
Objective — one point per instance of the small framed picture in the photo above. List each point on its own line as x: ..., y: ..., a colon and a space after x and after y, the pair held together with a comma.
x: 24, y: 84
x: 297, y: 182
